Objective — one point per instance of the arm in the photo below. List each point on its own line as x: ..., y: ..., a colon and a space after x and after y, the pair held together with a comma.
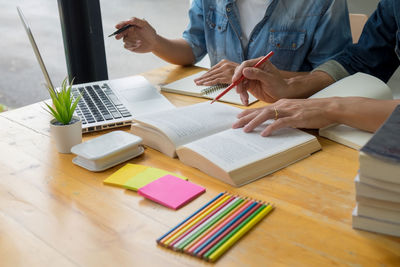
x: 363, y: 113
x: 375, y: 51
x: 332, y: 33
x: 142, y: 38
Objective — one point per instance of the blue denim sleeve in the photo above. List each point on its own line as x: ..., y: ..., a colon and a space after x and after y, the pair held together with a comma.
x: 332, y: 35
x: 375, y: 51
x: 194, y: 33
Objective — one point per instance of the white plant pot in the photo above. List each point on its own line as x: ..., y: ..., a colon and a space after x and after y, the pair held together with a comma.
x: 66, y: 136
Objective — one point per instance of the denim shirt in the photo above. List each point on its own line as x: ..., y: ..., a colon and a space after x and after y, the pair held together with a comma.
x: 378, y: 50
x: 302, y: 33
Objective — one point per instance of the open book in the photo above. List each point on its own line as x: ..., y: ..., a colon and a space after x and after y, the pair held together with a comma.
x: 359, y: 84
x: 186, y: 86
x: 202, y: 137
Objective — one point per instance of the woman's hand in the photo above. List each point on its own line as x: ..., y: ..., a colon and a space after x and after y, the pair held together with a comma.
x: 295, y: 113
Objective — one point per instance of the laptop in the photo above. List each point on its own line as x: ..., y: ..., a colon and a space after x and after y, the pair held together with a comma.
x: 111, y: 103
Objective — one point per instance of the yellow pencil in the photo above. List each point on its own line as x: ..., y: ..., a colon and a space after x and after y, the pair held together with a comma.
x: 193, y: 217
x: 187, y: 227
x: 217, y: 253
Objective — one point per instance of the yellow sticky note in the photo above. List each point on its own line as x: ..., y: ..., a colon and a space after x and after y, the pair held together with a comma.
x: 147, y: 176
x: 135, y: 176
x: 124, y: 174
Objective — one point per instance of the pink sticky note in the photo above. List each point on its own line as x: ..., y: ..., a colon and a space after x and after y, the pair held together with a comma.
x: 171, y: 191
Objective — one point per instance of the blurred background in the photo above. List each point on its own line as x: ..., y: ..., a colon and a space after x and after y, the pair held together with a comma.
x: 22, y: 82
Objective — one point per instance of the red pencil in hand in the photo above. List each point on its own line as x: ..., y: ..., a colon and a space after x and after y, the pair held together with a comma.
x: 261, y: 61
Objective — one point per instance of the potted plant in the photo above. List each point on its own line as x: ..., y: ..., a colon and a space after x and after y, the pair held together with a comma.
x: 65, y: 128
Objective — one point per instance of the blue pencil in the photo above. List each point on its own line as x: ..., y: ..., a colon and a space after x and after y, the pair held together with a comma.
x: 170, y: 231
x: 224, y: 228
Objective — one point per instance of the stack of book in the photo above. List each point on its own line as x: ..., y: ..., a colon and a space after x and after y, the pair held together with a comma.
x: 378, y: 181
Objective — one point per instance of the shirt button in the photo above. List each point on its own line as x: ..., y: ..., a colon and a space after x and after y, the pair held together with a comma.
x: 228, y: 9
x: 294, y: 45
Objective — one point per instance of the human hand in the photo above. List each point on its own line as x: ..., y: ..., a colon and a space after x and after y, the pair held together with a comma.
x: 295, y: 113
x: 141, y: 38
x: 265, y: 82
x: 219, y: 74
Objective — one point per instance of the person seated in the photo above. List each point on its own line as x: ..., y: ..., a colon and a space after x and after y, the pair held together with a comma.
x: 377, y: 53
x: 302, y: 33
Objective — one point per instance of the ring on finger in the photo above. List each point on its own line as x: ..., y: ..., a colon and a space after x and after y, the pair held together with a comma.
x: 276, y: 113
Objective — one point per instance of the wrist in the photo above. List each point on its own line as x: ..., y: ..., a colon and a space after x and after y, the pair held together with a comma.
x: 303, y: 86
x: 333, y: 109
x: 157, y: 44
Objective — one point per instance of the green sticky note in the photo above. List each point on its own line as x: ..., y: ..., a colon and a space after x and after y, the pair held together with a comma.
x: 147, y: 176
x: 135, y: 176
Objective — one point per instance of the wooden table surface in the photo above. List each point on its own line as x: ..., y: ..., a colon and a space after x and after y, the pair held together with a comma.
x: 54, y: 213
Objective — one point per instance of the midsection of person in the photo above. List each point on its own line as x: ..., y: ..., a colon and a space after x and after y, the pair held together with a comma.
x: 293, y: 29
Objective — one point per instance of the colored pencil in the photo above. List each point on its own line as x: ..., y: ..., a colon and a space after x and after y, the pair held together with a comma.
x: 200, y: 239
x: 202, y: 244
x: 209, y: 223
x: 179, y: 240
x: 236, y: 235
x: 261, y: 61
x: 210, y: 243
x: 211, y: 230
x: 196, y: 220
x: 196, y: 212
x: 211, y: 203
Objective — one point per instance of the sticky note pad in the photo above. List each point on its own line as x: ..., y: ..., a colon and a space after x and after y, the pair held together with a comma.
x: 135, y: 176
x: 171, y: 191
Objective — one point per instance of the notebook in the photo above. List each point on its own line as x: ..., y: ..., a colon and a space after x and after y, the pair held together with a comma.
x: 171, y: 191
x: 186, y: 86
x: 135, y: 176
x: 111, y: 103
x: 359, y: 84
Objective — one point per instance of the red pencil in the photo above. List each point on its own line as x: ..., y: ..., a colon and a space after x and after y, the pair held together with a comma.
x: 227, y: 231
x: 261, y: 61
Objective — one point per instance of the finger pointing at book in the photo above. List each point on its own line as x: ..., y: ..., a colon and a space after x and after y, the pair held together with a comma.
x: 295, y: 113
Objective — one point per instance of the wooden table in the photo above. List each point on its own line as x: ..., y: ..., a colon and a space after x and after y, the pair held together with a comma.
x: 54, y: 213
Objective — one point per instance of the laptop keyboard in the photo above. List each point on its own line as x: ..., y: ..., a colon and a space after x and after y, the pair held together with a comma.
x: 98, y: 104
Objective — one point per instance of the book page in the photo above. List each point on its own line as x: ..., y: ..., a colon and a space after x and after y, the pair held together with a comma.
x: 346, y: 135
x: 186, y: 124
x: 233, y: 148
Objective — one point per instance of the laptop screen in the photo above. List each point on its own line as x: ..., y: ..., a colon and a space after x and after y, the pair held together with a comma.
x: 35, y: 48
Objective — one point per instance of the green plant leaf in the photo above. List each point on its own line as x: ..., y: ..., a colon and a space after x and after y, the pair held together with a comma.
x: 53, y: 112
x: 63, y: 102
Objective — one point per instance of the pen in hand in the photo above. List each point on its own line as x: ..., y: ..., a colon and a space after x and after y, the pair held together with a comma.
x: 127, y: 26
x: 261, y: 61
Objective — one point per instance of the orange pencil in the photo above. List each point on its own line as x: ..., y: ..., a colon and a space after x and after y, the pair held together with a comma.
x: 207, y: 211
x: 190, y: 249
x: 181, y: 226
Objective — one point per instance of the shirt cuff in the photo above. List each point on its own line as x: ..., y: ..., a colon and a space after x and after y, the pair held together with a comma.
x: 333, y: 69
x: 197, y: 50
